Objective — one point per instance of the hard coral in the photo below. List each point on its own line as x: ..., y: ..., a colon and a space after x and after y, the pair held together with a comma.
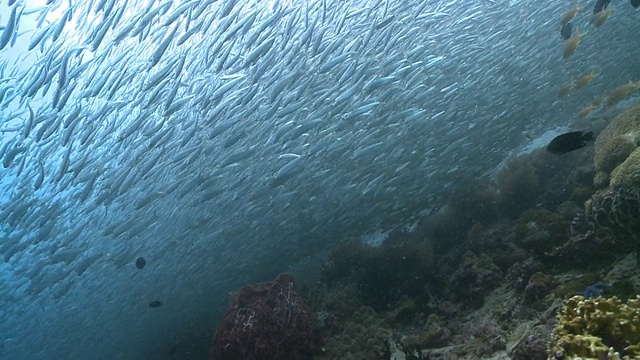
x: 616, y: 208
x: 597, y: 328
x: 627, y: 173
x: 616, y: 142
x: 267, y: 321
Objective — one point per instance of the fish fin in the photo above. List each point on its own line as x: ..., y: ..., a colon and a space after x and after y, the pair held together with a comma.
x: 578, y: 32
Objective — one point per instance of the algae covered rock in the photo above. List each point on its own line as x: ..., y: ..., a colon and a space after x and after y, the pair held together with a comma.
x: 597, y: 328
x: 476, y: 277
x: 358, y: 337
x: 434, y: 334
x: 616, y: 142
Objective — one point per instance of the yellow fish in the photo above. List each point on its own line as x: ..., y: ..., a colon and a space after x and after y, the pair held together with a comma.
x: 566, y: 89
x: 572, y: 43
x: 600, y: 18
x: 598, y: 101
x: 622, y: 92
x: 568, y: 16
x: 585, y: 79
x: 586, y: 110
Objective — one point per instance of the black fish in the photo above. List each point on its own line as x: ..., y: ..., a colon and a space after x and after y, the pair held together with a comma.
x: 155, y: 304
x: 570, y: 141
x: 140, y: 262
x: 635, y: 3
x: 566, y: 30
x: 601, y: 5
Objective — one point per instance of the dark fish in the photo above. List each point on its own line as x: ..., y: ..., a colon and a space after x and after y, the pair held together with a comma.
x: 570, y: 141
x: 635, y: 3
x: 602, y: 4
x: 140, y: 262
x: 155, y: 304
x: 566, y: 30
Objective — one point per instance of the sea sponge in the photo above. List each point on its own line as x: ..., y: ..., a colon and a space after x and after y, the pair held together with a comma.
x: 597, y: 328
x: 617, y: 140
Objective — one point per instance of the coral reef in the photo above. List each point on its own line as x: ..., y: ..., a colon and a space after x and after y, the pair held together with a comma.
x: 616, y: 142
x: 617, y: 209
x: 383, y: 275
x: 529, y: 343
x: 434, y: 334
x: 594, y: 290
x: 519, y: 184
x: 617, y: 163
x: 485, y: 276
x: 540, y: 230
x: 266, y: 321
x: 476, y: 276
x: 597, y: 328
x: 538, y: 287
x: 358, y: 336
x: 627, y: 174
x: 616, y: 206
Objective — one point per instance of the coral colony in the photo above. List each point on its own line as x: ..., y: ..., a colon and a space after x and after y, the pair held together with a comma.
x: 267, y: 321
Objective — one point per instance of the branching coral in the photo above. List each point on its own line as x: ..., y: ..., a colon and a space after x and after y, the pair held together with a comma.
x: 597, y: 328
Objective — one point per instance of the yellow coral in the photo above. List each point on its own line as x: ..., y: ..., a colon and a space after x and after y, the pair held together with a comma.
x: 616, y: 142
x: 597, y: 328
x: 628, y: 173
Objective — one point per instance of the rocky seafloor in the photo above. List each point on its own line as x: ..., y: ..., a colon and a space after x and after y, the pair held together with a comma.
x: 538, y: 262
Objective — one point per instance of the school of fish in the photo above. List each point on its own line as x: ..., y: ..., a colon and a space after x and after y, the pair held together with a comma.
x: 218, y: 143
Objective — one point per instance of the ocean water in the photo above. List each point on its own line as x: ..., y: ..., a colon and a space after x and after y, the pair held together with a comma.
x: 228, y: 141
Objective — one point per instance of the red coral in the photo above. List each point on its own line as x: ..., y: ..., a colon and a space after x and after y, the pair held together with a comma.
x: 266, y: 321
